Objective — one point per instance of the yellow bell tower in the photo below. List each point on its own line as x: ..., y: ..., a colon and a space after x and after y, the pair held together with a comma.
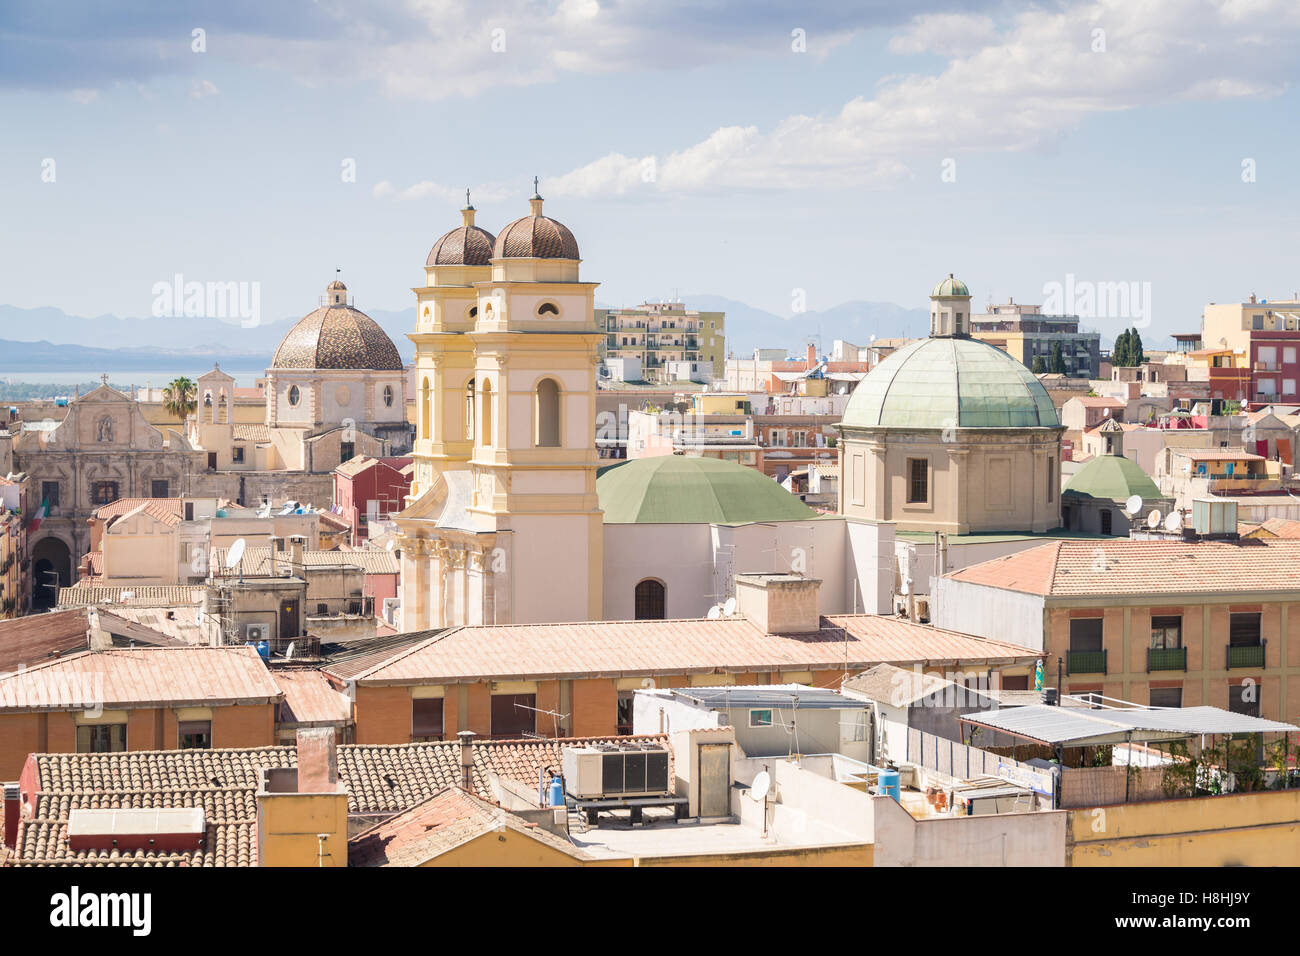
x: 504, y: 524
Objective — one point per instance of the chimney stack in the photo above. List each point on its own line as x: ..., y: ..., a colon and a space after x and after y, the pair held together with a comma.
x: 779, y: 603
x: 295, y: 552
x: 318, y: 766
x: 812, y: 355
x: 466, y: 759
x: 274, y: 541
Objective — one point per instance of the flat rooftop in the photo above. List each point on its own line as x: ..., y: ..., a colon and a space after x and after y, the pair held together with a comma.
x: 660, y: 836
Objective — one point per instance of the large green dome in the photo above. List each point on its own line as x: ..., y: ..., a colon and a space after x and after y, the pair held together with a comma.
x: 684, y: 489
x: 950, y: 286
x: 950, y: 382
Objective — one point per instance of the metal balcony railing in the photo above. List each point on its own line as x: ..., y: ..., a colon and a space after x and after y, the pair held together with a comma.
x: 1167, y: 659
x: 1246, y: 655
x: 1085, y: 662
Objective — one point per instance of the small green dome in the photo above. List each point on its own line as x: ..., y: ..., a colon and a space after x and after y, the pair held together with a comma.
x: 950, y: 382
x: 951, y: 286
x: 1114, y: 477
x: 684, y: 489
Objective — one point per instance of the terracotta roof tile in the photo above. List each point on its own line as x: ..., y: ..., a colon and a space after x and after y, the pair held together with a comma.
x: 1121, y: 566
x: 122, y: 505
x: 311, y: 699
x: 140, y: 595
x: 123, y: 677
x: 442, y: 823
x: 636, y: 648
x: 29, y: 640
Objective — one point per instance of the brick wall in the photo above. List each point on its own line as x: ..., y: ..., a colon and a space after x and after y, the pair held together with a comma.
x: 20, y: 734
x: 251, y: 725
x: 384, y: 715
x: 595, y: 707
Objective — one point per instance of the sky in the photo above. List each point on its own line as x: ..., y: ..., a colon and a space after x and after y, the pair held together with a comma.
x: 788, y: 156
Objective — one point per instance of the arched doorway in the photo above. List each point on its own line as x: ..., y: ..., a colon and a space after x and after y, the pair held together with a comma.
x: 51, y: 570
x: 650, y: 600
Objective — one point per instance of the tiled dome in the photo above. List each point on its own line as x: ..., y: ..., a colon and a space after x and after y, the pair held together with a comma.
x: 337, y: 336
x: 951, y: 286
x: 535, y: 237
x: 467, y: 245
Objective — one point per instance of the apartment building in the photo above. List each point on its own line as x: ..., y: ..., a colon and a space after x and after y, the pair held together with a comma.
x: 1264, y: 337
x: 657, y: 333
x: 1025, y: 333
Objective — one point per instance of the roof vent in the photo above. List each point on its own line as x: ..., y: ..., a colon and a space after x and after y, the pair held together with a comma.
x: 175, y: 829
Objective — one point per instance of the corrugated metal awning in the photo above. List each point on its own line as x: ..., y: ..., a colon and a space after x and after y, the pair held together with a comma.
x: 1078, y: 727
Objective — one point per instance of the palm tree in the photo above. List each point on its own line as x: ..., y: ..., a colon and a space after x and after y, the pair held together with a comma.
x: 179, y: 397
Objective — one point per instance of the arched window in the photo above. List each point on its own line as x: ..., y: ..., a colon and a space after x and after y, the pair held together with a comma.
x: 650, y: 600
x: 388, y: 394
x: 294, y: 395
x: 426, y: 408
x: 548, y: 414
x: 469, y: 411
x: 548, y: 308
x: 487, y: 413
x: 473, y: 312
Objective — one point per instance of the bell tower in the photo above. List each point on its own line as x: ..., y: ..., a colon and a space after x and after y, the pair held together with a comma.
x: 950, y: 309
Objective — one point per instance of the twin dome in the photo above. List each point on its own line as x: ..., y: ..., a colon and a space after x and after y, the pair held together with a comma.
x: 530, y: 237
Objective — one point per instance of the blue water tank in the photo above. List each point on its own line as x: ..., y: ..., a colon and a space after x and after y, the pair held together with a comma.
x: 222, y: 513
x: 264, y: 650
x: 889, y: 785
x: 557, y: 791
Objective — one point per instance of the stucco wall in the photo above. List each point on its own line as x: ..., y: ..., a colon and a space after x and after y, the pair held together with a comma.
x: 1004, y: 615
x: 1005, y: 839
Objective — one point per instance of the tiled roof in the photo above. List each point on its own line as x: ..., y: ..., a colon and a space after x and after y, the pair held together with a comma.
x: 141, y: 595
x: 258, y: 560
x: 180, y: 623
x: 222, y: 782
x: 635, y: 648
x: 466, y: 245
x: 535, y: 237
x: 337, y: 336
x: 445, y: 821
x: 29, y: 640
x: 1122, y: 566
x: 311, y: 699
x: 1217, y: 454
x: 379, y: 780
x: 385, y: 778
x: 351, y: 658
x: 250, y: 432
x: 363, y: 463
x: 173, y: 506
x: 898, y: 686
x: 133, y: 677
x: 1272, y: 527
x: 1100, y: 401
x: 92, y: 564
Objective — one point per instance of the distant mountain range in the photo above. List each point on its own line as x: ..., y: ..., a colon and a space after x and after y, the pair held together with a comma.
x: 48, y: 339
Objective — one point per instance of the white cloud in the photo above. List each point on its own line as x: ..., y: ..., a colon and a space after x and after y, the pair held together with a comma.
x: 427, y: 189
x: 202, y: 88
x: 85, y: 97
x: 1003, y: 90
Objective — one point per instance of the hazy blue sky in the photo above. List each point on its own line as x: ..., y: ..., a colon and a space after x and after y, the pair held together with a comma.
x: 1112, y: 157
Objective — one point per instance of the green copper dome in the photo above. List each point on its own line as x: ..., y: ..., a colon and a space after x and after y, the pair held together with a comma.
x: 683, y: 489
x: 1114, y: 477
x: 950, y: 381
x: 951, y: 286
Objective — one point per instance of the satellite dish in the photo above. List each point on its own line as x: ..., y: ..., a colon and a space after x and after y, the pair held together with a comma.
x: 389, y: 545
x: 1174, y: 522
x: 715, y: 612
x: 730, y: 607
x: 235, y: 553
x: 1133, y: 505
x: 288, y: 651
x: 1153, y: 519
x: 762, y: 785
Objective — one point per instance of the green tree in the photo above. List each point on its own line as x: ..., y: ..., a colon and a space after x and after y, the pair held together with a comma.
x: 1135, y: 348
x: 1119, y: 354
x: 1058, y: 360
x: 179, y: 397
x: 1128, y: 349
x: 1039, y: 365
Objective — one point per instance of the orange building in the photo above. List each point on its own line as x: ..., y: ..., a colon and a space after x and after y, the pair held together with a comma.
x: 143, y: 698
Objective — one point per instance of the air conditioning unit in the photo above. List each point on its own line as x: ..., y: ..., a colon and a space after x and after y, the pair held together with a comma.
x: 613, y: 771
x: 256, y: 632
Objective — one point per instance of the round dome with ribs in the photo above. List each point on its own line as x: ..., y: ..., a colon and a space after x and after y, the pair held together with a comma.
x: 337, y: 336
x: 535, y: 237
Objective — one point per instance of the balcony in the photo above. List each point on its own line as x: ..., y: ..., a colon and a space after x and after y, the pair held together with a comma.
x: 1246, y: 655
x: 1166, y: 659
x: 1085, y: 662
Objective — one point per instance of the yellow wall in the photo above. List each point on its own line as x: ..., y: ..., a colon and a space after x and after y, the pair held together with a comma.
x: 1255, y: 829
x: 288, y: 825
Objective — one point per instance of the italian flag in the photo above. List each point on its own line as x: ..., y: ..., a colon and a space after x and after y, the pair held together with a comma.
x: 41, y: 512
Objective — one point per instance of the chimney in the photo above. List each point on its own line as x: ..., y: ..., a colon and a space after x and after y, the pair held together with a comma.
x: 1252, y: 298
x: 779, y: 603
x: 318, y: 767
x: 274, y: 542
x: 466, y: 759
x: 295, y: 552
x: 812, y: 355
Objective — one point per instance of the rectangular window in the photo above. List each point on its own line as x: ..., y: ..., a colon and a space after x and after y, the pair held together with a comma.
x: 194, y: 735
x: 918, y: 480
x: 347, y: 450
x: 514, y: 716
x: 1266, y: 386
x: 101, y: 738
x: 158, y: 488
x: 237, y: 455
x: 625, y: 698
x: 1288, y: 386
x: 103, y: 492
x: 1257, y: 322
x: 1243, y: 630
x: 50, y: 494
x: 1085, y: 634
x: 1166, y: 697
x: 426, y: 717
x: 1051, y: 480
x: 760, y: 718
x: 1106, y: 520
x: 1288, y: 355
x: 1268, y: 354
x: 1166, y: 632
